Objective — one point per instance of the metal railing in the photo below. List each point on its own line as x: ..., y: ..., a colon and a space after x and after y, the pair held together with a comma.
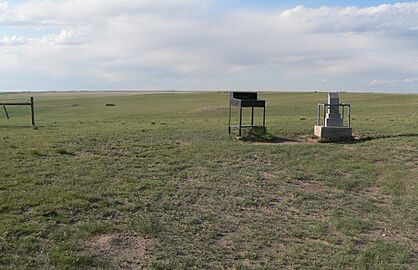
x: 341, y: 108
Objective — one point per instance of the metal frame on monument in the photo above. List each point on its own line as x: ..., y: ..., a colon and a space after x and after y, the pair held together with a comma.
x: 341, y: 108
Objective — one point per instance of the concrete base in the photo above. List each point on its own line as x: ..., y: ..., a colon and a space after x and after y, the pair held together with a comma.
x: 333, y: 132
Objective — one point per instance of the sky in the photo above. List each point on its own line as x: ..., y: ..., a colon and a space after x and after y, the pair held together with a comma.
x: 369, y: 46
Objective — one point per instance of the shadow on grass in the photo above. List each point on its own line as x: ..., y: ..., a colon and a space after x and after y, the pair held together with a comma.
x: 64, y: 152
x: 18, y: 127
x: 367, y: 138
x: 378, y: 137
x: 261, y: 135
x: 272, y: 139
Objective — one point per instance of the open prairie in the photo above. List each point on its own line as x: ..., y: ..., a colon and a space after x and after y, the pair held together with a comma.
x: 155, y: 182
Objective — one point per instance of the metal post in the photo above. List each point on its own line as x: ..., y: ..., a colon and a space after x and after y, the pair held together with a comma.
x: 342, y: 116
x: 318, y: 116
x: 349, y: 115
x: 229, y: 122
x: 252, y: 116
x: 264, y: 117
x: 325, y: 113
x: 32, y: 111
x: 240, y: 120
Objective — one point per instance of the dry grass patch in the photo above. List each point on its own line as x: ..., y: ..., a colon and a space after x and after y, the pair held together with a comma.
x: 123, y: 250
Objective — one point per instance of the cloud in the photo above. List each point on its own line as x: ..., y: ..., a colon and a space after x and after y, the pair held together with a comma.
x: 185, y: 44
x: 387, y: 18
x: 63, y: 38
x: 12, y: 41
x: 393, y: 82
x: 411, y: 80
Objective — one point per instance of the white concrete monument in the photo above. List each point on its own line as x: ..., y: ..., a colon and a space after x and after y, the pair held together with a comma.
x: 333, y: 120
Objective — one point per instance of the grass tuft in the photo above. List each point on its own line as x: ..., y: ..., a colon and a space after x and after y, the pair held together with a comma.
x: 36, y: 153
x: 63, y: 151
x: 257, y: 134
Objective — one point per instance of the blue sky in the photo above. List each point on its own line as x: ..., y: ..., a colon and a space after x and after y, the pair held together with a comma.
x: 209, y: 45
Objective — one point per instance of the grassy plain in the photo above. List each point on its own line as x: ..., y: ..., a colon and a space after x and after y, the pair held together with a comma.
x: 156, y: 182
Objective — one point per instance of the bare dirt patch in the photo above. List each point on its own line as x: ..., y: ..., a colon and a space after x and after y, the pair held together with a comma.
x: 413, y: 166
x: 124, y: 250
x: 377, y: 195
x: 312, y: 186
x: 281, y: 140
x: 183, y: 143
x: 350, y: 148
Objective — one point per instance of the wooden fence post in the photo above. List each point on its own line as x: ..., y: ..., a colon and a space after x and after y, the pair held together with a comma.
x: 32, y: 111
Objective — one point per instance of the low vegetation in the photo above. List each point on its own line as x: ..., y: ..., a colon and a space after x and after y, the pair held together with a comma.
x: 156, y: 182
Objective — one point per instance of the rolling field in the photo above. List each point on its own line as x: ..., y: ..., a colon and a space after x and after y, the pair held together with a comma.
x: 155, y: 182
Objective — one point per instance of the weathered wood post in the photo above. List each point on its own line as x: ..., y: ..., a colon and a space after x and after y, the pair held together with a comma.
x: 32, y: 111
x: 6, y: 112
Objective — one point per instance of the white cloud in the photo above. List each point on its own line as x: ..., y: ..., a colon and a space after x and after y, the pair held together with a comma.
x: 12, y: 40
x: 393, y: 82
x: 388, y: 83
x: 63, y: 38
x: 166, y: 44
x: 411, y: 80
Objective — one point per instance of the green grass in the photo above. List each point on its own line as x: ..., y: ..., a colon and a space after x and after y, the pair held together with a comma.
x: 163, y: 167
